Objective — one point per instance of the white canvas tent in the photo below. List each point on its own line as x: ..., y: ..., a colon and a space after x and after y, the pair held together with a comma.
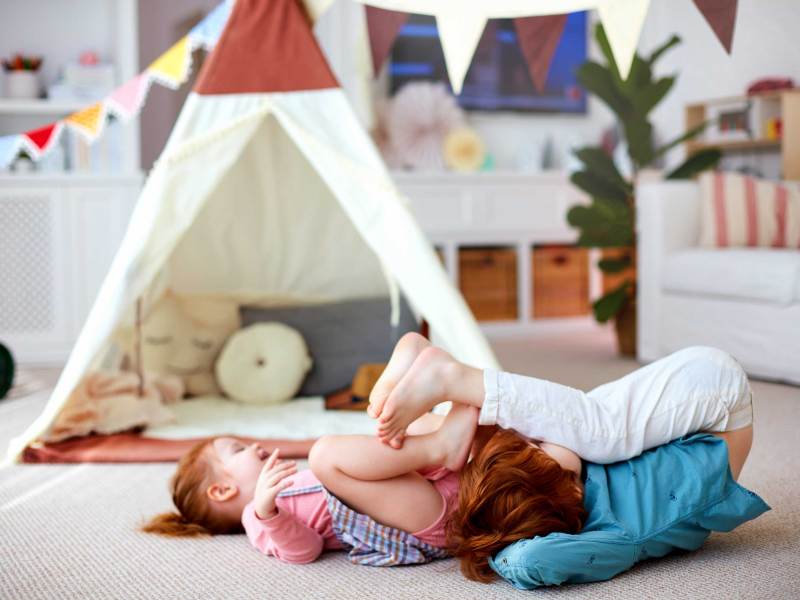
x: 269, y: 187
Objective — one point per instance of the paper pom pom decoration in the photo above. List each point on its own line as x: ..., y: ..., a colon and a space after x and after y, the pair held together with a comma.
x: 464, y: 150
x: 419, y: 118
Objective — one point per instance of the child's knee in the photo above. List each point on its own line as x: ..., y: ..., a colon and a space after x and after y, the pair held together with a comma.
x: 321, y: 457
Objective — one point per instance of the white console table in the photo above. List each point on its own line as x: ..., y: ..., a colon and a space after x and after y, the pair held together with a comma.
x: 496, y: 209
x: 59, y: 235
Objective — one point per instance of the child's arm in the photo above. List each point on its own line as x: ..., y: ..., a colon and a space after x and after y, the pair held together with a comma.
x: 282, y: 536
x: 274, y: 532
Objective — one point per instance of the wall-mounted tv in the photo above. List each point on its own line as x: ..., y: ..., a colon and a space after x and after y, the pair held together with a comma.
x: 498, y: 77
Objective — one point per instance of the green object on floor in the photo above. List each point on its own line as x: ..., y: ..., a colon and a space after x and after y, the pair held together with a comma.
x: 6, y: 371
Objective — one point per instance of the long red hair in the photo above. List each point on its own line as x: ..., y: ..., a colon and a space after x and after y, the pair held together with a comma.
x: 510, y: 491
x: 188, y: 486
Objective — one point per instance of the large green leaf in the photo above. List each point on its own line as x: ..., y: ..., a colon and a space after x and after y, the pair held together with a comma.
x: 614, y: 265
x: 696, y: 163
x: 639, y: 134
x: 656, y: 54
x: 609, y: 305
x: 640, y: 77
x: 608, y: 53
x: 694, y: 131
x: 598, y: 79
x: 599, y: 187
x: 600, y: 163
x: 647, y: 97
x: 602, y: 224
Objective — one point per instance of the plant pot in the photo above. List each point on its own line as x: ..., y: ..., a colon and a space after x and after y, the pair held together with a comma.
x: 625, y: 324
x: 22, y: 84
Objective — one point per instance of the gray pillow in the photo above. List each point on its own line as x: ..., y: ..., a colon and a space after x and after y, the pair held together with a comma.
x: 340, y: 336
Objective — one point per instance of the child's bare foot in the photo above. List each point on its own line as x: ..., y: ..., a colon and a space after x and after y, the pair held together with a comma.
x: 422, y: 387
x: 403, y: 356
x: 456, y: 435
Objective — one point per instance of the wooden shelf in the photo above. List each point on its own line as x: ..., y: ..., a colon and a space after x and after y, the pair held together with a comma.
x: 737, y: 145
x: 41, y: 106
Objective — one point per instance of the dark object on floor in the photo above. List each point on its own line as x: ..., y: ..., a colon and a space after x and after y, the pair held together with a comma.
x: 6, y: 371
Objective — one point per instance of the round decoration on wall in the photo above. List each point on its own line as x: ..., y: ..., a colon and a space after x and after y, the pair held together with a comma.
x: 6, y: 371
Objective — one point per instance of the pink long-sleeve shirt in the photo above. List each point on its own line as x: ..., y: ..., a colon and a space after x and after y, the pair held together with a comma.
x: 302, y: 529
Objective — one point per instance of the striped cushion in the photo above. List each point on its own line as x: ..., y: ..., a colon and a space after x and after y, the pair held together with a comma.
x: 738, y: 210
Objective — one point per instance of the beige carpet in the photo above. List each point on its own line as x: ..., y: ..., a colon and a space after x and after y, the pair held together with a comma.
x: 70, y: 531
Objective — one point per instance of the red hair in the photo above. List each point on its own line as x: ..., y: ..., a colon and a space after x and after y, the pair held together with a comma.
x: 510, y: 491
x: 195, y: 516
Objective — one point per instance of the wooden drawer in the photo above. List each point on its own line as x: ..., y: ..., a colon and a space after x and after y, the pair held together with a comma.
x: 560, y: 281
x: 488, y: 281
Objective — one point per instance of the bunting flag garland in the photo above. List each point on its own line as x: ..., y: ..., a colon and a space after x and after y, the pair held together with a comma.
x: 383, y: 26
x: 538, y: 39
x: 623, y: 21
x: 721, y: 17
x: 88, y: 122
x: 172, y: 68
x: 459, y: 38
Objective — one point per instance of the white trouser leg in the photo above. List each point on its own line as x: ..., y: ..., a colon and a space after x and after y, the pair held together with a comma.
x: 695, y: 389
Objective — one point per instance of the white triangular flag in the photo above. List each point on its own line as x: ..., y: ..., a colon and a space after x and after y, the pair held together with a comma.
x: 623, y: 20
x: 459, y: 35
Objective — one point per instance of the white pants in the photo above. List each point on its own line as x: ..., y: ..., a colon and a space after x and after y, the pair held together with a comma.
x: 695, y: 389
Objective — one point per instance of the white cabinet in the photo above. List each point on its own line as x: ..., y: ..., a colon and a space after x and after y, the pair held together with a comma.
x: 58, y: 236
x: 515, y: 210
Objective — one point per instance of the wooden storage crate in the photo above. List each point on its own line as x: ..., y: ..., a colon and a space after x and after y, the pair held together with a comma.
x: 488, y: 280
x: 614, y: 280
x: 560, y: 281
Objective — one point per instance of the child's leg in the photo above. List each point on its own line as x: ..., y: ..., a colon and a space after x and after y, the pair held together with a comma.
x: 696, y: 389
x: 381, y: 482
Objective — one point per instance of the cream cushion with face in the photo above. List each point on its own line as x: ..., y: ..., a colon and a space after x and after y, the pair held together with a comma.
x: 264, y: 363
x: 182, y: 335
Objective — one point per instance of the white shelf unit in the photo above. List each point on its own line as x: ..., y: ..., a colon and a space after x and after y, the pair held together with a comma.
x: 39, y: 106
x: 510, y: 209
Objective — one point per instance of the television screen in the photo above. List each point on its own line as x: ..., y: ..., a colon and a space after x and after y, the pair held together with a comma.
x: 498, y: 77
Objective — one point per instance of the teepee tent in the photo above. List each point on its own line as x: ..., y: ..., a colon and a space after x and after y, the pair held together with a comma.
x: 268, y: 187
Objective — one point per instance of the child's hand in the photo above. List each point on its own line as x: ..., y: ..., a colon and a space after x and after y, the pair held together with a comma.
x: 270, y: 482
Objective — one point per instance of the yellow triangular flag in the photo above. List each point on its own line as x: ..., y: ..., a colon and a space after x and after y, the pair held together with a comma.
x: 88, y: 121
x: 172, y: 67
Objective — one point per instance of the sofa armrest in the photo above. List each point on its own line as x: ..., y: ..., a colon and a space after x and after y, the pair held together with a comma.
x: 667, y: 219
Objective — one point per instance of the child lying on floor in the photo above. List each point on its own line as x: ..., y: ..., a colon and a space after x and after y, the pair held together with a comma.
x: 385, y: 506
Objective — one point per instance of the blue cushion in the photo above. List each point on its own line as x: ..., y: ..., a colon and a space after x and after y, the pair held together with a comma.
x: 669, y: 498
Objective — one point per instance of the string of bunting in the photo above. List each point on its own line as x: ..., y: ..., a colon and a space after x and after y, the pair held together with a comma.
x: 171, y: 69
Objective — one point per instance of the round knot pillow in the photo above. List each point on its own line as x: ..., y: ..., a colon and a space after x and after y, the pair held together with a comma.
x: 264, y: 363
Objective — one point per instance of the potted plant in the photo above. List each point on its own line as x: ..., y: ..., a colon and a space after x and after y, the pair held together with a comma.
x: 608, y: 221
x: 22, y: 79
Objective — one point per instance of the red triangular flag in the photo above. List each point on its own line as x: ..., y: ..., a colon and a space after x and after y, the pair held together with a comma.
x: 266, y: 46
x: 383, y: 26
x: 40, y: 138
x: 721, y: 16
x: 538, y: 39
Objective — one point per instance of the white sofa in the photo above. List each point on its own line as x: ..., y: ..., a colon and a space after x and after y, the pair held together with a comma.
x: 743, y: 300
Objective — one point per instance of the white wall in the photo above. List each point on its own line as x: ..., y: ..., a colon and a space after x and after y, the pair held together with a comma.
x: 765, y: 44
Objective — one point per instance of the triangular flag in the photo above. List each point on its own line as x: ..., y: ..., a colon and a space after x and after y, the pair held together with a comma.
x: 721, y: 16
x: 9, y: 148
x: 172, y: 67
x: 275, y: 36
x: 316, y: 8
x: 88, y: 121
x: 383, y: 26
x: 459, y: 34
x: 206, y: 33
x: 623, y: 20
x: 127, y: 99
x: 39, y: 141
x: 538, y: 39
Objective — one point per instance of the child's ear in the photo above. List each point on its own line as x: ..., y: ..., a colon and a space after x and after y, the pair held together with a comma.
x: 222, y: 492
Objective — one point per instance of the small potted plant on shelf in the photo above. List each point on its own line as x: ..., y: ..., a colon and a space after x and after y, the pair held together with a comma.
x: 22, y: 76
x: 608, y: 221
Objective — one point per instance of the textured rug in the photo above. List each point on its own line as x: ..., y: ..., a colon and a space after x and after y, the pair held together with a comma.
x: 70, y: 531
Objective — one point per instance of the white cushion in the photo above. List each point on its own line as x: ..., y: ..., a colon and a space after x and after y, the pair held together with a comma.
x: 759, y: 274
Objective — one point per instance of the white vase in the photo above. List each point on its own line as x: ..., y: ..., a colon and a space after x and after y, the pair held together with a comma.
x: 22, y: 84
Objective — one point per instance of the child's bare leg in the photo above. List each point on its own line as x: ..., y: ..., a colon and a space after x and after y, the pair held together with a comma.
x: 434, y: 377
x: 380, y: 482
x: 405, y: 352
